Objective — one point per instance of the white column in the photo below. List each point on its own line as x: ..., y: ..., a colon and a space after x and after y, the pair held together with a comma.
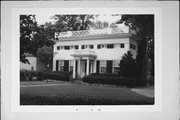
x: 74, y: 69
x: 91, y: 67
x: 79, y: 67
x: 94, y: 70
x: 87, y: 68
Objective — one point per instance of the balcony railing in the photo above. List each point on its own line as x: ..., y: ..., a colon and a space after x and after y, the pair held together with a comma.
x: 91, y: 32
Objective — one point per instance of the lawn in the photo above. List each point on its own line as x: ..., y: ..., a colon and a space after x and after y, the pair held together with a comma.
x: 68, y: 93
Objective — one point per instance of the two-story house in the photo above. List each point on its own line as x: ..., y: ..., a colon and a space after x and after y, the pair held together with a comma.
x: 92, y: 51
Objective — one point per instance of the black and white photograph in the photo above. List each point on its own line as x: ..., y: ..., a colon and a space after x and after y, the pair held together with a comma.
x: 87, y: 59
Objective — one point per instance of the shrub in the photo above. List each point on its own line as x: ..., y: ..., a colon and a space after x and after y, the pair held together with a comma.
x: 110, y: 79
x: 127, y: 66
x: 81, y: 100
x: 40, y: 75
x: 57, y: 76
x: 26, y: 75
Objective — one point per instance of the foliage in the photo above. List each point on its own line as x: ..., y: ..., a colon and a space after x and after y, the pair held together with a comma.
x: 62, y: 76
x: 45, y: 55
x: 109, y: 79
x: 72, y: 22
x: 127, y: 66
x: 81, y: 100
x: 143, y: 25
x: 26, y: 75
x: 99, y: 25
x: 27, y: 30
x: 32, y: 37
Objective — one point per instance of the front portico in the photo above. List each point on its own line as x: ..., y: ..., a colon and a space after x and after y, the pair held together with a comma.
x: 84, y: 63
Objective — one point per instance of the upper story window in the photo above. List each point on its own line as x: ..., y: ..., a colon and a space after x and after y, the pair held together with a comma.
x: 110, y: 46
x: 87, y: 46
x: 101, y: 46
x: 98, y: 46
x: 67, y: 47
x: 58, y: 47
x: 122, y: 45
x: 76, y: 47
x: 91, y: 46
x: 83, y: 46
x: 132, y: 46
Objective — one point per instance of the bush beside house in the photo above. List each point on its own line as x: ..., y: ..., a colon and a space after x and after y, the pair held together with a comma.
x: 111, y: 79
x: 26, y: 75
x: 127, y: 74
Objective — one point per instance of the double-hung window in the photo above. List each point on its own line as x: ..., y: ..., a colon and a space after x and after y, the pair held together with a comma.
x: 58, y: 47
x: 71, y: 63
x: 61, y: 65
x: 116, y: 66
x: 110, y: 46
x: 103, y: 67
x: 122, y: 45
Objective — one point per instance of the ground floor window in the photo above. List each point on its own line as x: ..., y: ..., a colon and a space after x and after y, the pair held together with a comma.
x: 103, y: 66
x: 71, y: 63
x: 61, y: 65
x: 116, y: 66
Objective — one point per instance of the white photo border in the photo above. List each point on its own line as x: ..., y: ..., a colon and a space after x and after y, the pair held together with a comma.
x: 15, y: 45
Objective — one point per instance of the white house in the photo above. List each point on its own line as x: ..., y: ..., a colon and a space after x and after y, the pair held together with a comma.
x: 92, y: 51
x: 32, y: 63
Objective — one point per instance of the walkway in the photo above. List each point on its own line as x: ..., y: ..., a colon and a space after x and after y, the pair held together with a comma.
x: 146, y: 91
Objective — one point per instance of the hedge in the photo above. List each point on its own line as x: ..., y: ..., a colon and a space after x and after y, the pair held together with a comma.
x: 80, y: 100
x: 26, y: 75
x: 111, y: 79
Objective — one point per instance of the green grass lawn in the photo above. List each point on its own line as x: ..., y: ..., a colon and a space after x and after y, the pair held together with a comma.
x: 78, y: 94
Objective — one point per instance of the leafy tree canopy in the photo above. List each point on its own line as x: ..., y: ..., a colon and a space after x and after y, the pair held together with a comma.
x: 72, y: 22
x: 32, y: 36
x: 27, y: 30
x: 143, y: 25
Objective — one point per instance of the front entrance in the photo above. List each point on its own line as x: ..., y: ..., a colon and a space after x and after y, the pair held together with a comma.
x: 84, y: 67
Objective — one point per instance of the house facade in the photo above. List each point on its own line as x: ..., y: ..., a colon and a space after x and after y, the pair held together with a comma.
x: 92, y: 51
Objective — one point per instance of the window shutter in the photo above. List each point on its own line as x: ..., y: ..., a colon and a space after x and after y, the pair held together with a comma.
x: 57, y: 65
x: 97, y: 66
x: 66, y: 65
x: 109, y: 66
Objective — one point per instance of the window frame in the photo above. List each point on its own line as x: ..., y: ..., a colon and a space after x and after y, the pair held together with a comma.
x: 110, y: 46
x: 122, y: 45
x: 58, y: 48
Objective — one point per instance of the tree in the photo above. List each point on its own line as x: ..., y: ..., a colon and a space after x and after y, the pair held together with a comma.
x: 27, y: 30
x: 33, y: 36
x: 72, y: 22
x: 45, y: 55
x: 99, y: 25
x: 143, y: 25
x: 127, y: 65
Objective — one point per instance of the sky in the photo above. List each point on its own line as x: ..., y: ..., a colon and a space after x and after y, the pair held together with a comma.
x: 43, y: 17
